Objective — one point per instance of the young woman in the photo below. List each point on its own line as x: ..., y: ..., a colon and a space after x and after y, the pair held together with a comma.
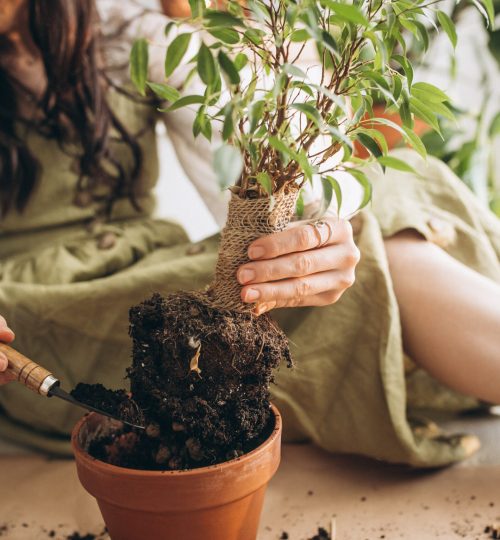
x: 78, y: 246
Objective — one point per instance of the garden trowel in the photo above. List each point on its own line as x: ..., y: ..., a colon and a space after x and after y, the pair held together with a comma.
x: 41, y: 381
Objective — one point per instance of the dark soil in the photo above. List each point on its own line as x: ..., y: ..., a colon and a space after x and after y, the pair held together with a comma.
x: 117, y: 403
x: 322, y: 534
x: 201, y: 377
x: 78, y: 536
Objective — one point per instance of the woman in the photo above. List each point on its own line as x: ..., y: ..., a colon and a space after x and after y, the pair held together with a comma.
x: 78, y: 246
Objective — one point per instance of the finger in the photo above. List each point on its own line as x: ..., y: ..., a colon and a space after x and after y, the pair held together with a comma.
x: 4, y: 362
x: 300, y: 237
x: 299, y: 264
x: 317, y: 300
x: 6, y: 334
x: 297, y: 288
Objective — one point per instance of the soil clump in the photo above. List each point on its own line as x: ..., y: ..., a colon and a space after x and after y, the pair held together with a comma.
x: 201, y: 377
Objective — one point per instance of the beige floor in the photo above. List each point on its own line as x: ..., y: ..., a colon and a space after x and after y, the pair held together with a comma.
x: 368, y: 500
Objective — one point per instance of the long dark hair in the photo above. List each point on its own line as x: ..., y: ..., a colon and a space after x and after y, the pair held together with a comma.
x: 74, y: 104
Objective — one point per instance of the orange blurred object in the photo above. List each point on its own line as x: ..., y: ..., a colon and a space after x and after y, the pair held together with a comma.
x: 392, y: 136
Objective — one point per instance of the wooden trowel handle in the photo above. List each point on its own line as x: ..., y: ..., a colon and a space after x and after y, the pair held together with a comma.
x: 27, y: 372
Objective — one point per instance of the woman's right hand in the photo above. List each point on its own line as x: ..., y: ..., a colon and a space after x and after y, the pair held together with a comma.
x: 6, y: 335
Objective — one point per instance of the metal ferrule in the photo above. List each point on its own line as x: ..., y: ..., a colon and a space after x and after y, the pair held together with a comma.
x: 47, y: 384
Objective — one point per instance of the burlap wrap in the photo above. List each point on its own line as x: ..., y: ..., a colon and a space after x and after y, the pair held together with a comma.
x: 248, y: 219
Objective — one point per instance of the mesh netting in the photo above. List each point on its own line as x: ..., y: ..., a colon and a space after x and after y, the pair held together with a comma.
x: 248, y: 219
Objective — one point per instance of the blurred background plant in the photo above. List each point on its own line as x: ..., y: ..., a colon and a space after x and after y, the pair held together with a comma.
x: 471, y: 143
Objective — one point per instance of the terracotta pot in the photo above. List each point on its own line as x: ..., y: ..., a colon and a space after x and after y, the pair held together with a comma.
x: 392, y: 136
x: 220, y: 502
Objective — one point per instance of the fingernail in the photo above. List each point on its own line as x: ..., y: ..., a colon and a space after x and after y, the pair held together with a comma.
x: 252, y: 295
x: 246, y: 275
x: 4, y: 362
x: 256, y: 252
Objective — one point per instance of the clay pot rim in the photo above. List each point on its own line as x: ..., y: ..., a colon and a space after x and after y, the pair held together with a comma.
x: 104, y: 467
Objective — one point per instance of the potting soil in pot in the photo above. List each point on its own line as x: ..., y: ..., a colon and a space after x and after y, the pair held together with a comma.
x: 200, y: 377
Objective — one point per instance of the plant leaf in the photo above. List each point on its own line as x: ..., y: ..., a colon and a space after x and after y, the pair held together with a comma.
x: 363, y: 181
x: 226, y: 35
x: 369, y: 143
x: 428, y: 92
x: 175, y: 53
x: 265, y: 181
x: 415, y: 141
x: 206, y: 65
x: 347, y: 12
x: 139, y: 59
x: 229, y: 68
x: 495, y: 126
x: 184, y: 101
x: 164, y: 91
x: 448, y: 26
x: 395, y: 163
x: 228, y: 164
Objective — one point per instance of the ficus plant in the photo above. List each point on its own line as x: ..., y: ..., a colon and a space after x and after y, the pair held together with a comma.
x: 270, y: 108
x: 206, y: 361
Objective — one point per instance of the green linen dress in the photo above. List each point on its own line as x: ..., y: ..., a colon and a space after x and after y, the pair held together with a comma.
x: 66, y: 284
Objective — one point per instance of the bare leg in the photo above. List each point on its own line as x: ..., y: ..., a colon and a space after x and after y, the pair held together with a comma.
x: 450, y: 316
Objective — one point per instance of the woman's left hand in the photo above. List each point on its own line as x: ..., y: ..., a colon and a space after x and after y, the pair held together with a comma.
x: 309, y: 264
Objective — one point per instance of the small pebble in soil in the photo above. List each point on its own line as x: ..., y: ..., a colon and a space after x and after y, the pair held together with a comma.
x: 284, y: 536
x: 310, y: 492
x: 78, y: 536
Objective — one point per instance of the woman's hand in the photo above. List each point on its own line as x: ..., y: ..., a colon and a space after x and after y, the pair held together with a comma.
x: 309, y: 264
x: 6, y: 335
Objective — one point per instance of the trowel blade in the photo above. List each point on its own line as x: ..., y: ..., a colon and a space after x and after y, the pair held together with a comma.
x: 57, y: 391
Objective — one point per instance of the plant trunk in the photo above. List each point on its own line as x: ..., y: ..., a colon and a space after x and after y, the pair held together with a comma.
x: 248, y: 220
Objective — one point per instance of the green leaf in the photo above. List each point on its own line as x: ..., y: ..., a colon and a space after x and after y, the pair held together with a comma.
x: 226, y: 35
x: 169, y: 27
x: 255, y: 114
x: 425, y: 113
x: 299, y: 35
x: 139, y: 59
x: 310, y: 111
x: 206, y: 65
x: 369, y: 143
x: 415, y: 141
x: 240, y: 61
x: 490, y: 9
x: 222, y: 19
x: 484, y: 12
x: 395, y: 163
x: 185, y: 101
x: 228, y: 165
x: 495, y: 126
x: 228, y: 126
x: 327, y: 194
x: 290, y: 69
x: 423, y: 34
x: 197, y: 7
x: 265, y: 181
x: 175, y: 53
x: 229, y: 68
x: 164, y: 91
x: 448, y: 26
x: 336, y: 189
x: 365, y: 184
x: 347, y: 12
x: 428, y: 92
x: 299, y: 207
x: 279, y: 145
x: 407, y: 67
